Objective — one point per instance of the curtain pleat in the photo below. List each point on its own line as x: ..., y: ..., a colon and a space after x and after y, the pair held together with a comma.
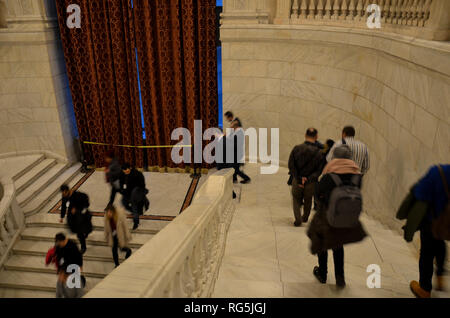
x: 177, y: 52
x: 101, y: 67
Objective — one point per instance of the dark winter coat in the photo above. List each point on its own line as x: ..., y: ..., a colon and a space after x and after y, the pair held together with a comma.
x: 306, y: 160
x: 78, y: 222
x: 68, y: 255
x: 134, y: 180
x: 323, y: 236
x: 413, y: 211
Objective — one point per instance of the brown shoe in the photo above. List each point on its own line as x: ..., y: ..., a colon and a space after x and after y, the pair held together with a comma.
x: 440, y: 283
x: 418, y: 291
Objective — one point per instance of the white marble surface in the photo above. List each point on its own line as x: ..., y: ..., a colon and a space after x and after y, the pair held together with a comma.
x: 167, y: 192
x: 395, y: 91
x: 266, y: 256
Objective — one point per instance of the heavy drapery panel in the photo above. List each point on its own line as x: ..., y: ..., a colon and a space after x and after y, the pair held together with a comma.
x: 101, y: 67
x: 177, y: 53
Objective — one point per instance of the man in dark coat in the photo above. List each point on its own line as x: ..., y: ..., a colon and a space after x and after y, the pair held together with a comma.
x: 78, y: 217
x: 325, y: 237
x: 305, y: 166
x: 113, y: 175
x: 134, y: 193
x: 67, y: 254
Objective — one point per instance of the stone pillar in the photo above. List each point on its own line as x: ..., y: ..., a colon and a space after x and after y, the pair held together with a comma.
x: 248, y: 11
x: 3, y: 23
x: 283, y: 12
x: 437, y: 27
x: 36, y: 110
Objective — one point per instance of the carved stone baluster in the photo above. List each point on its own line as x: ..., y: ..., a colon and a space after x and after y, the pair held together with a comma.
x: 311, y: 10
x: 320, y: 10
x: 344, y: 10
x: 336, y: 10
x: 351, y: 11
x: 9, y: 224
x: 381, y: 5
x: 366, y: 14
x: 196, y: 266
x: 4, y: 239
x: 187, y: 278
x: 409, y: 12
x: 398, y: 12
x: 386, y: 11
x: 426, y: 11
x: 303, y: 9
x: 413, y: 19
x: 421, y: 15
x: 359, y: 10
x: 328, y: 9
x: 295, y: 9
x: 405, y: 10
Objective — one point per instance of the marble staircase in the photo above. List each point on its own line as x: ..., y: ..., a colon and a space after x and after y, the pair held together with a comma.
x: 37, y: 180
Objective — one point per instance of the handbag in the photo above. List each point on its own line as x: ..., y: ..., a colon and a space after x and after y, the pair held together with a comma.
x: 440, y: 226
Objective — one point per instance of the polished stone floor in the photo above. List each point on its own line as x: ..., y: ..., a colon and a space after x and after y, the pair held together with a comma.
x: 166, y: 192
x: 266, y: 256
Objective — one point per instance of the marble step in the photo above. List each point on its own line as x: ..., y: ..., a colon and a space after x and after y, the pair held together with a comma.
x: 95, y: 238
x: 33, y: 174
x: 52, y: 220
x: 41, y: 184
x: 40, y: 248
x: 36, y: 281
x: 41, y: 198
x: 29, y: 162
x: 24, y: 293
x: 30, y: 263
x: 47, y: 205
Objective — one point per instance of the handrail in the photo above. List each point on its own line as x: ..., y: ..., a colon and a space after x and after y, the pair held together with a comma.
x: 183, y: 259
x: 12, y: 219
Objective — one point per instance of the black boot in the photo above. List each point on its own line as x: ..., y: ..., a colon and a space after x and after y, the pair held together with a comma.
x: 319, y: 277
x: 340, y: 281
x: 128, y: 254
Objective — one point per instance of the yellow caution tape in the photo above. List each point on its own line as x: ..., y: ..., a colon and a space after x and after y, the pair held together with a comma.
x: 140, y: 147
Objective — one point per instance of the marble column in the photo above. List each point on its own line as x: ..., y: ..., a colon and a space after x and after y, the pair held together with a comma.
x: 36, y: 110
x: 248, y: 11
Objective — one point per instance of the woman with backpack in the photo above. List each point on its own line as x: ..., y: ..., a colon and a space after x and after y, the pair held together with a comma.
x: 116, y: 232
x: 330, y: 229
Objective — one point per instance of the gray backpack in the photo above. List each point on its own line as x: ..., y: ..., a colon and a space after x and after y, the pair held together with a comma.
x: 345, y: 204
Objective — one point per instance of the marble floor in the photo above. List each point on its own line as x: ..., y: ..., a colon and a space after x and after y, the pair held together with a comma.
x: 162, y: 200
x: 10, y: 166
x: 266, y: 256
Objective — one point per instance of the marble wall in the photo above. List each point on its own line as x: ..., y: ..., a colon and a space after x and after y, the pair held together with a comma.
x: 35, y: 100
x: 395, y: 91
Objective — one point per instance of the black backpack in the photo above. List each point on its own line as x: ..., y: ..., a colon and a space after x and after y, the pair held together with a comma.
x: 345, y: 204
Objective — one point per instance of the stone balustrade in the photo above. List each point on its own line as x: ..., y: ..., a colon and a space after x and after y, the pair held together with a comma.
x: 183, y: 259
x: 12, y: 220
x: 425, y: 19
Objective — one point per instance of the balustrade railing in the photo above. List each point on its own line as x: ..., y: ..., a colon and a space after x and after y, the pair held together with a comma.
x: 184, y: 258
x: 428, y: 19
x: 396, y: 12
x: 11, y: 219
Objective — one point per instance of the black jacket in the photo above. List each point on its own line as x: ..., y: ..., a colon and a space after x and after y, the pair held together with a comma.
x: 306, y: 160
x: 77, y: 200
x: 78, y: 222
x: 323, y: 236
x: 134, y: 180
x: 68, y: 255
